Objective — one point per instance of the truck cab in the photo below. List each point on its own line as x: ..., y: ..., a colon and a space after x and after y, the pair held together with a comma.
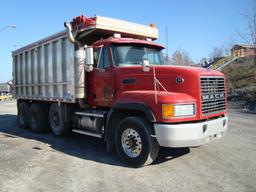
x: 188, y: 104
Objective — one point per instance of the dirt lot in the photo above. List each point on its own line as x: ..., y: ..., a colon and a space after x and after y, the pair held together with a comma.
x: 32, y: 162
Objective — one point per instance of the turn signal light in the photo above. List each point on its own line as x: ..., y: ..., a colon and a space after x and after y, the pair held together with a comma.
x: 168, y: 111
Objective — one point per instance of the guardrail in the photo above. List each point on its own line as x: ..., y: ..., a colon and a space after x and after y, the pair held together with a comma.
x: 219, y: 64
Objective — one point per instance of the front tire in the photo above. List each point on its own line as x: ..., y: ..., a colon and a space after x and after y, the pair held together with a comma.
x: 134, y: 143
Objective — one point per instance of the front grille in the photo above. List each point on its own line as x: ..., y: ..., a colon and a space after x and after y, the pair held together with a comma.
x: 212, y: 95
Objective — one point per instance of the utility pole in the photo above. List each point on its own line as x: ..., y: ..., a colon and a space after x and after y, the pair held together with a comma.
x: 166, y: 36
x: 253, y: 25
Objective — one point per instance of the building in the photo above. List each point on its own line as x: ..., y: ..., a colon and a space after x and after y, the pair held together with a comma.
x: 6, y: 90
x: 243, y: 50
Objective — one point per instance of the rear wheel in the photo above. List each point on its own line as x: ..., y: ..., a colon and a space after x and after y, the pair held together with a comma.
x: 57, y: 123
x: 134, y: 143
x: 37, y: 118
x: 23, y: 115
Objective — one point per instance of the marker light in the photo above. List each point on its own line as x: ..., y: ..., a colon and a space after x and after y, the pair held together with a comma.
x: 152, y: 25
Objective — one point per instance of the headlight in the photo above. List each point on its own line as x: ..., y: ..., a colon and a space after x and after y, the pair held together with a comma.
x: 177, y: 110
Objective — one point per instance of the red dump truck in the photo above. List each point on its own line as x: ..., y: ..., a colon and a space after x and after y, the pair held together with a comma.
x: 107, y: 78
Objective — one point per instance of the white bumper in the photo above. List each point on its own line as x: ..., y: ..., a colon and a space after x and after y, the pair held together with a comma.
x: 190, y: 134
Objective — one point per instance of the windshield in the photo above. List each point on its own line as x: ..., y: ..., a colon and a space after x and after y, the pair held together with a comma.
x: 130, y: 55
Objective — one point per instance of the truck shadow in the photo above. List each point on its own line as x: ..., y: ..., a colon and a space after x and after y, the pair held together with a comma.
x: 76, y: 145
x: 167, y: 154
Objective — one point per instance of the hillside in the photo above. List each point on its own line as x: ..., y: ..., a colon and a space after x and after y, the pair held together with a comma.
x: 241, y: 80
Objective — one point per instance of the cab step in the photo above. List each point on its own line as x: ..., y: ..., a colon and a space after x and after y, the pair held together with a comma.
x: 87, y: 133
x: 92, y: 113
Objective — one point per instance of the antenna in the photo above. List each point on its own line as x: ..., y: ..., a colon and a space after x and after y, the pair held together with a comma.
x: 157, y: 83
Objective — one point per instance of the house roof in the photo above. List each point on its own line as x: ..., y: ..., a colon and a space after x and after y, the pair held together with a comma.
x: 243, y: 45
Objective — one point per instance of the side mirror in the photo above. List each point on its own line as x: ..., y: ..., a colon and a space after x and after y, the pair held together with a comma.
x: 146, y: 65
x: 89, y: 61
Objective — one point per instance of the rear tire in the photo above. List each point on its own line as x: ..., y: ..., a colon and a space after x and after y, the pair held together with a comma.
x: 37, y: 118
x: 23, y: 115
x: 57, y: 124
x: 134, y: 143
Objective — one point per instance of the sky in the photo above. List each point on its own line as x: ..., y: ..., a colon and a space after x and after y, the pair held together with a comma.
x: 196, y: 26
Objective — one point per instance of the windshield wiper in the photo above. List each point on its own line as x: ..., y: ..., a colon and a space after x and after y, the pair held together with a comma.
x: 135, y: 62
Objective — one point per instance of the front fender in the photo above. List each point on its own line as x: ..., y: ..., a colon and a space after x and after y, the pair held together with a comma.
x: 154, y: 101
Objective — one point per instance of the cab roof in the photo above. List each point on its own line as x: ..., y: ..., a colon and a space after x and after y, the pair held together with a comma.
x: 113, y: 40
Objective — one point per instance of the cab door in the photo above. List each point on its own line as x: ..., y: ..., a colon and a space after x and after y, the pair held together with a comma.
x: 100, y: 79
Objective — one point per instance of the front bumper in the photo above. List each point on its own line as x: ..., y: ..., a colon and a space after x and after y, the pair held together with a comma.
x: 190, y: 134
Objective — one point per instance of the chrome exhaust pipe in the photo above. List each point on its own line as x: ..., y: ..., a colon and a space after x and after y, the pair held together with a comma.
x: 71, y: 37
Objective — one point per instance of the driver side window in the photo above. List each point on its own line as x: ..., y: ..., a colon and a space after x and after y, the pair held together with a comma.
x: 104, y: 62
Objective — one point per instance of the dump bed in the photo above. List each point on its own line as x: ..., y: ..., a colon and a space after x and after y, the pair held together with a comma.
x: 47, y: 69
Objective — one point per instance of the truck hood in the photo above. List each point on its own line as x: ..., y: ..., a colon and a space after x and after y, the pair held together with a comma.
x: 173, y: 78
x: 182, y: 85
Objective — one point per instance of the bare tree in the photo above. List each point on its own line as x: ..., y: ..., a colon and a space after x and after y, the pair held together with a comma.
x: 181, y: 57
x: 217, y: 52
x: 203, y: 61
x: 249, y: 36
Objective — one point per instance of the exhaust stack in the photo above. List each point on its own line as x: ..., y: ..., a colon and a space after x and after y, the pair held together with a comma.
x: 71, y: 37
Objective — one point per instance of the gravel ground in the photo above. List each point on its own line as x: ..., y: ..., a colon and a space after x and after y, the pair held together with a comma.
x: 33, y: 162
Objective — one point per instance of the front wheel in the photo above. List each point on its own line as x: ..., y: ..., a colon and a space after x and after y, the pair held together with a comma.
x: 134, y: 143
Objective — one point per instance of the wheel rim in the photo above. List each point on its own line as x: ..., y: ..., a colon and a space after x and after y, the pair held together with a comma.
x: 22, y: 116
x: 55, y: 119
x: 131, y: 143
